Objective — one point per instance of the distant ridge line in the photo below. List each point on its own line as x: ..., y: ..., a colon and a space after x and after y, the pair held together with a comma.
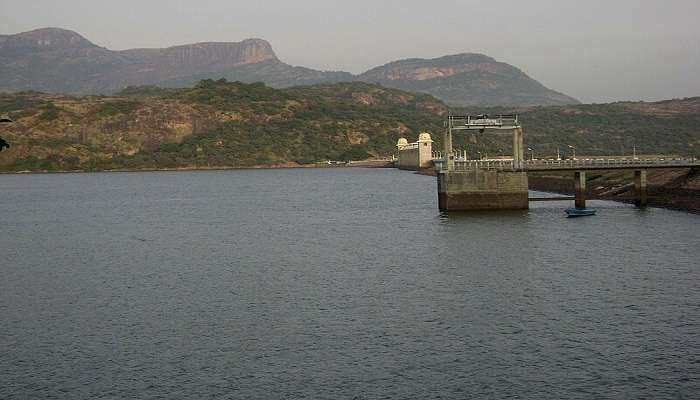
x: 57, y: 60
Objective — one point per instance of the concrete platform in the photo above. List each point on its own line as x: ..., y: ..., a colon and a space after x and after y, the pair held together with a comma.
x: 482, y: 190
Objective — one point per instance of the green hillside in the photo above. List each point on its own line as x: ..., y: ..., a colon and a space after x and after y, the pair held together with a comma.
x: 225, y: 124
x: 232, y: 124
x: 301, y: 125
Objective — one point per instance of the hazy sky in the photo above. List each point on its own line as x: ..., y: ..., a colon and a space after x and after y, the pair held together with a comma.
x: 594, y: 50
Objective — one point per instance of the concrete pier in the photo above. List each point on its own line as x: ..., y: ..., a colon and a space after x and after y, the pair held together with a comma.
x: 482, y: 190
x: 580, y: 189
x: 640, y: 187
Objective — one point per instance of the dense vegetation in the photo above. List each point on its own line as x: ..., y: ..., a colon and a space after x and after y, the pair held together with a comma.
x: 246, y: 125
x: 19, y: 101
x: 116, y: 108
x: 301, y: 125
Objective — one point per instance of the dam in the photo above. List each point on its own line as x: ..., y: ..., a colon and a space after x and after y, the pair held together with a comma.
x: 502, y: 184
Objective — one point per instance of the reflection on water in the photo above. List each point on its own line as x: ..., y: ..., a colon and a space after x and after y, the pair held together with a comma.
x: 335, y: 283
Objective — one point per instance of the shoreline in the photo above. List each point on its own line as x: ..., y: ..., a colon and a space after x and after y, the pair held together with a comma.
x: 354, y: 164
x: 659, y: 195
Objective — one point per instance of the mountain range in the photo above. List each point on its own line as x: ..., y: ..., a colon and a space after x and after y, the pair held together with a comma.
x: 55, y: 60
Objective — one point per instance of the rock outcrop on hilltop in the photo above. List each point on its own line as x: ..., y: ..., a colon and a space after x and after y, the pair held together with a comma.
x: 60, y: 61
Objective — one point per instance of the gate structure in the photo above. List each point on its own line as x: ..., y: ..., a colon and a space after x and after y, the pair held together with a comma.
x: 482, y: 188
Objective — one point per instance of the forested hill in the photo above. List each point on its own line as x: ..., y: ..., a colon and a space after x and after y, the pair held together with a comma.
x: 231, y: 124
x: 216, y: 123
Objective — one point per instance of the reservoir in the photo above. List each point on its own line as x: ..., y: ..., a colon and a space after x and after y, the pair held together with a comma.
x: 338, y: 283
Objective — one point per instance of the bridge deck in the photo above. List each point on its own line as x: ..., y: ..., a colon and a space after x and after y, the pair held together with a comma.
x: 572, y: 165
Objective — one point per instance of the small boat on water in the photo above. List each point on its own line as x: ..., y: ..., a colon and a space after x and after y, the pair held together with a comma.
x: 579, y: 212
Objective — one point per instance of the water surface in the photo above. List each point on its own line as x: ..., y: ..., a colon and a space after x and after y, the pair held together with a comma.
x: 335, y: 284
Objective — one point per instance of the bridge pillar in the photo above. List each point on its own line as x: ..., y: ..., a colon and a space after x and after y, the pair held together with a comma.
x: 640, y: 187
x: 580, y: 188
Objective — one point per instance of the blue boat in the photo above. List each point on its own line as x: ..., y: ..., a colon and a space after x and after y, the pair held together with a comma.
x: 579, y: 212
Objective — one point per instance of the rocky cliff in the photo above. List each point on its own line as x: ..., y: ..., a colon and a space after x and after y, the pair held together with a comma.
x: 60, y: 61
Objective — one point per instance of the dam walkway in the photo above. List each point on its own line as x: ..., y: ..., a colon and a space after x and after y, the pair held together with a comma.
x: 508, y: 178
x: 587, y: 164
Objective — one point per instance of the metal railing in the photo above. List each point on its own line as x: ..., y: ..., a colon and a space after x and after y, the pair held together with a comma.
x: 461, y: 164
x: 602, y: 163
x: 482, y: 121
